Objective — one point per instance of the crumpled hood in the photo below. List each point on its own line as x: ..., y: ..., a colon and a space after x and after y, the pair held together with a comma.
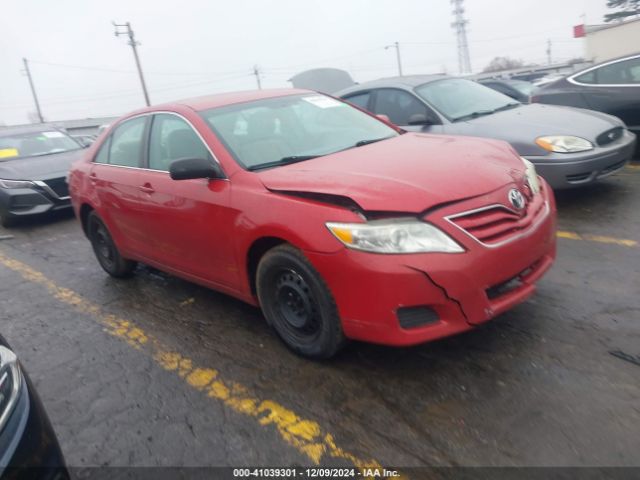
x: 409, y: 173
x: 42, y: 167
x: 522, y: 125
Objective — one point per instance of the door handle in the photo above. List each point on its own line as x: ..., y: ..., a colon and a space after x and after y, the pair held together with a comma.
x: 93, y: 178
x: 147, y: 188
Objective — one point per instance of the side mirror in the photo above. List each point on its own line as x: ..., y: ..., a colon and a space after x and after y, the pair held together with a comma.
x: 85, y: 142
x: 419, y: 119
x: 384, y: 117
x: 189, y: 168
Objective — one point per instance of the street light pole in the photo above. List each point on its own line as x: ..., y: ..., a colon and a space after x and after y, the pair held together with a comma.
x: 132, y: 42
x: 33, y: 89
x: 396, y: 45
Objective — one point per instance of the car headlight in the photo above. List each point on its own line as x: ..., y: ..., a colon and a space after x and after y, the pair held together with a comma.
x: 531, y: 176
x: 10, y: 384
x: 16, y: 184
x: 394, y: 236
x: 564, y: 144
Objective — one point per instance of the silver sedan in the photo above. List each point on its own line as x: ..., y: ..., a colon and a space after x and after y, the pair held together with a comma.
x: 570, y: 147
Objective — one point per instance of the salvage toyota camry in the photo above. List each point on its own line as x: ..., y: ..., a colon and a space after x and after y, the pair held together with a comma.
x: 337, y: 224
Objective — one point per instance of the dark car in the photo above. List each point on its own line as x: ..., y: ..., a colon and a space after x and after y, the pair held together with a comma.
x: 570, y: 147
x: 34, y: 162
x: 612, y: 87
x: 517, y: 89
x: 28, y: 446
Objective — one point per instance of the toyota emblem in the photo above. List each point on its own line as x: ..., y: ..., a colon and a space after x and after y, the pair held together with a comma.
x: 516, y: 198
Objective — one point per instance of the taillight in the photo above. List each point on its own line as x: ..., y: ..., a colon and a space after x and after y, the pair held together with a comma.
x: 534, y: 99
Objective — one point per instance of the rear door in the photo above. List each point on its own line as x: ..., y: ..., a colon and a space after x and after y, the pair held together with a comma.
x: 115, y: 178
x: 614, y: 88
x: 187, y: 224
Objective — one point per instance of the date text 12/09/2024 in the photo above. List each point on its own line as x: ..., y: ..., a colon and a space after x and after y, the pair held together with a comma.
x: 314, y: 473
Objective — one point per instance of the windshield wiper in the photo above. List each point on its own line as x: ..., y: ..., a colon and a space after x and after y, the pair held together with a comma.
x: 283, y: 161
x: 480, y: 113
x: 362, y: 143
x: 475, y: 114
x: 507, y: 106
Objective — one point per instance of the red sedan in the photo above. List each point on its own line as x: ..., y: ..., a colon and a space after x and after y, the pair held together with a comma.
x: 337, y: 224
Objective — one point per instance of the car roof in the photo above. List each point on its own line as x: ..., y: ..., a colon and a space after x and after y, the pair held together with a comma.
x: 405, y: 82
x: 224, y: 99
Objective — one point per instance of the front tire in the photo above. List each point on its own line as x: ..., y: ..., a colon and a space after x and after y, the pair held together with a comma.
x: 105, y: 249
x: 6, y: 220
x: 298, y: 304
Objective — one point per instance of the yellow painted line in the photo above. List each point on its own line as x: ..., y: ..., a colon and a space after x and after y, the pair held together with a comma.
x: 305, y: 435
x: 597, y: 238
x: 633, y: 167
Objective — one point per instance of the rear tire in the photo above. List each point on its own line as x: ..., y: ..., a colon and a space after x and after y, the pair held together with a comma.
x: 105, y: 249
x: 298, y: 304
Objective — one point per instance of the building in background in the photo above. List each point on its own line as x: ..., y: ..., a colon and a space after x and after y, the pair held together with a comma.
x: 611, y: 40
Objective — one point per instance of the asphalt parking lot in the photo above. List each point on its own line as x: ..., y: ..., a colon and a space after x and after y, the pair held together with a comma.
x: 155, y: 371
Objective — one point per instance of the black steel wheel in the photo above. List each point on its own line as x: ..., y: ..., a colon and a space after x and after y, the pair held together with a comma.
x: 105, y: 249
x: 298, y: 304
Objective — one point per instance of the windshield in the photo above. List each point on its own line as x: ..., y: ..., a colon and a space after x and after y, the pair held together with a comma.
x: 523, y: 87
x: 460, y: 99
x: 34, y: 144
x: 277, y: 131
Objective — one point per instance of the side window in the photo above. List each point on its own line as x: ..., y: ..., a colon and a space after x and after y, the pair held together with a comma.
x: 126, y: 143
x: 103, y: 153
x: 625, y: 72
x: 589, y: 77
x: 399, y: 106
x: 173, y: 138
x: 361, y: 100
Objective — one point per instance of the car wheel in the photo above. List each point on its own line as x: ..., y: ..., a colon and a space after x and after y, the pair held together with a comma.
x: 6, y: 220
x: 298, y: 304
x: 105, y: 249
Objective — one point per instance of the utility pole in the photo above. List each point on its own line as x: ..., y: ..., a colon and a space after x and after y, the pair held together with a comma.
x: 549, y: 51
x: 33, y: 89
x: 256, y: 72
x: 460, y: 26
x: 132, y: 42
x: 396, y: 45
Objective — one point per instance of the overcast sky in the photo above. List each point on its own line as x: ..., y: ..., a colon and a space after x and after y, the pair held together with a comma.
x: 195, y: 47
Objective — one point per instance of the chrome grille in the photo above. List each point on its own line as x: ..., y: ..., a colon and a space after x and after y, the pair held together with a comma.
x: 497, y: 224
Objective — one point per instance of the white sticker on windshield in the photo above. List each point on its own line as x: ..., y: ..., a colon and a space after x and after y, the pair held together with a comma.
x: 323, y: 102
x: 53, y: 134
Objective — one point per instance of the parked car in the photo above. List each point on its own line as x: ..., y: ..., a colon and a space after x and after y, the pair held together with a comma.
x: 517, y: 89
x: 569, y: 147
x: 34, y: 162
x: 336, y: 223
x: 28, y: 446
x: 611, y: 87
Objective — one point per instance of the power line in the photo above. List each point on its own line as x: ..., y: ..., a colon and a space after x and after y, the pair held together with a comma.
x: 133, y: 44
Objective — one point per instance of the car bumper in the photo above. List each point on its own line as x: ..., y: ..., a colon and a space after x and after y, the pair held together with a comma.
x: 33, y: 451
x: 578, y: 169
x: 22, y: 202
x: 449, y: 293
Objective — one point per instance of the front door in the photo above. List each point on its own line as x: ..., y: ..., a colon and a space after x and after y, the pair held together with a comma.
x: 188, y: 223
